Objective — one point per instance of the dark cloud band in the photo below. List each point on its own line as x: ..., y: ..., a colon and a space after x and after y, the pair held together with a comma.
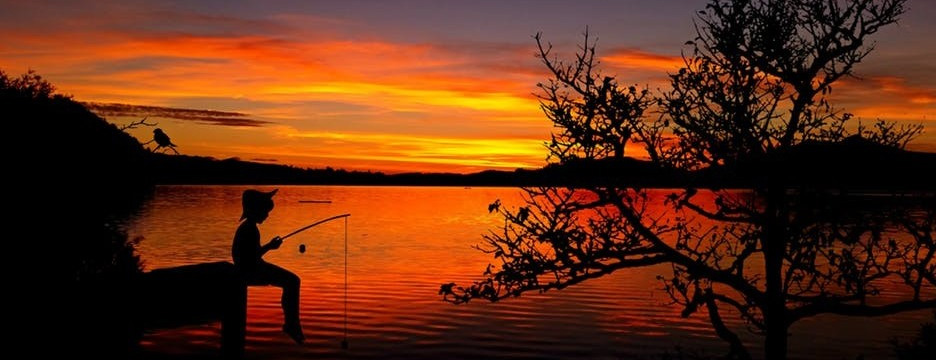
x: 209, y: 117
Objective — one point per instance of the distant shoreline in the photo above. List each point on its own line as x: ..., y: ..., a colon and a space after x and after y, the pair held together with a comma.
x: 867, y: 193
x: 855, y: 166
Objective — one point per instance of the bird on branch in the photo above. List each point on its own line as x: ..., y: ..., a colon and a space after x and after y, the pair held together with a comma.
x: 162, y: 141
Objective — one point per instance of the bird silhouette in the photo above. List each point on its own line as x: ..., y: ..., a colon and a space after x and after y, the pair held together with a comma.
x: 162, y: 141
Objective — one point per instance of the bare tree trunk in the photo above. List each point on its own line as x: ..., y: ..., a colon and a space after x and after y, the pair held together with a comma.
x: 775, y: 345
x: 775, y: 317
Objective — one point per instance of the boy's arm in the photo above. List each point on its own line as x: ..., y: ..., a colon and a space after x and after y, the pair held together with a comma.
x: 273, y: 244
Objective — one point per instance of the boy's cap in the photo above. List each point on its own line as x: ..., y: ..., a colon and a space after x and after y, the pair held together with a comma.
x: 254, y: 199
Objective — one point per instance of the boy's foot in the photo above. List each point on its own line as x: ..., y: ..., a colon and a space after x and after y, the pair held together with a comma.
x: 295, y: 332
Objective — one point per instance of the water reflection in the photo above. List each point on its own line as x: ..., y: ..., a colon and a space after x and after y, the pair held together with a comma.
x: 403, y: 243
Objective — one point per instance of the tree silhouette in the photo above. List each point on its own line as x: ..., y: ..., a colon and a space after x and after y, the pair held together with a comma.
x: 83, y: 176
x: 920, y: 347
x: 751, y: 96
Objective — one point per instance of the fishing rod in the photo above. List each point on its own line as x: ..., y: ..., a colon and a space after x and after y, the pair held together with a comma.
x: 307, y: 227
x: 344, y: 342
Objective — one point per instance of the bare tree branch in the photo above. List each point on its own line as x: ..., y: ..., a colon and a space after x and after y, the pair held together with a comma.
x: 135, y: 124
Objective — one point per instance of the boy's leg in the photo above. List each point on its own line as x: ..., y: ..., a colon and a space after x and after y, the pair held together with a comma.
x: 289, y: 282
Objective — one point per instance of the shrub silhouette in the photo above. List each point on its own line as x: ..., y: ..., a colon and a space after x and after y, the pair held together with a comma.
x: 86, y: 174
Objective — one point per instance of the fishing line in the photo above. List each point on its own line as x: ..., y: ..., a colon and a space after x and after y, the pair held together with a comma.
x: 344, y: 343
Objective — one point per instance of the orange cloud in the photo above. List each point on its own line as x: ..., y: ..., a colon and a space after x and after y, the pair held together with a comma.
x: 265, y: 68
x: 380, y: 76
x: 898, y: 86
x: 886, y: 97
x: 642, y: 60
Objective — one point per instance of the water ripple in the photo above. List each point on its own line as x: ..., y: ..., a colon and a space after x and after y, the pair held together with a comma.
x: 404, y: 243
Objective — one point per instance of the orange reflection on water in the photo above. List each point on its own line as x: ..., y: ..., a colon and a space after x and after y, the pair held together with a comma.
x: 403, y: 242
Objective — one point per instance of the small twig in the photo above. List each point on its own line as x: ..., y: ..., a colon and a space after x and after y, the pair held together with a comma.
x: 135, y: 124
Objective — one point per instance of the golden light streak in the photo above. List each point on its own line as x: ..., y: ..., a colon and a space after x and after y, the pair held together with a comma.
x: 493, y: 100
x: 642, y: 60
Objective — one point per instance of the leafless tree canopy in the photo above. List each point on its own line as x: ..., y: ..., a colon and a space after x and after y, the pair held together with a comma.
x: 754, y: 84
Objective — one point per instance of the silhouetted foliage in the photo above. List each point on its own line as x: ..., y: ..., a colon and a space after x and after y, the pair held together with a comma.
x: 65, y: 140
x: 84, y: 174
x: 923, y: 346
x: 749, y: 103
x: 596, y: 115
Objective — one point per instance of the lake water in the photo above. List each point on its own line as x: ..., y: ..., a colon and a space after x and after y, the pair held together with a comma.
x: 403, y: 242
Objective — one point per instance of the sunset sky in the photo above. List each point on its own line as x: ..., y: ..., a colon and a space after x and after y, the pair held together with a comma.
x: 387, y: 85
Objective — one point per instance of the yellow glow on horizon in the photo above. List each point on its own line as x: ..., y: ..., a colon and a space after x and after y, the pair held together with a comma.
x: 440, y: 97
x: 434, y: 150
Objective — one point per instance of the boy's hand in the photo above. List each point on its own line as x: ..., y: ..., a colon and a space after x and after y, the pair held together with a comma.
x: 276, y: 242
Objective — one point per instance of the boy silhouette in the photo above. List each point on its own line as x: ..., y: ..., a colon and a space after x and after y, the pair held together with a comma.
x: 248, y: 259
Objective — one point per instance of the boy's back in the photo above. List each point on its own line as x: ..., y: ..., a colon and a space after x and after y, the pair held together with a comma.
x: 246, y: 247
